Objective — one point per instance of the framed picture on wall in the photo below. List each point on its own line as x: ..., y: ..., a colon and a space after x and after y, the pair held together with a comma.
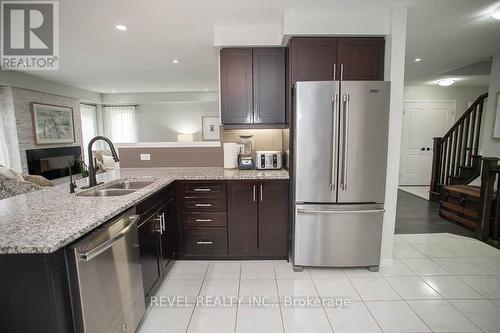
x: 210, y: 128
x: 52, y: 124
x: 496, y: 129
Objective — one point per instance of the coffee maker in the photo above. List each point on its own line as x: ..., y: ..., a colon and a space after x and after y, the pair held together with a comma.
x: 245, y: 159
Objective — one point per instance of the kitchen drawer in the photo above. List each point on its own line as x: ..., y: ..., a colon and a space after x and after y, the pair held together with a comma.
x: 205, y: 241
x: 201, y: 189
x: 204, y: 220
x: 205, y: 204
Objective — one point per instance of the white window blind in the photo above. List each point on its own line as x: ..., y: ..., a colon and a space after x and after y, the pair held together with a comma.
x: 120, y: 124
x: 89, y: 124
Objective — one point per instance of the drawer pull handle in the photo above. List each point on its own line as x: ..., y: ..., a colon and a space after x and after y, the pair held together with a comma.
x: 203, y: 205
x: 204, y: 243
x: 204, y: 220
x: 202, y: 190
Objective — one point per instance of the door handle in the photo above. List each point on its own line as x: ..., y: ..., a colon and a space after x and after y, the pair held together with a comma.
x: 204, y: 242
x: 334, y: 142
x: 204, y: 220
x: 347, y: 98
x: 334, y: 72
x: 261, y: 190
x: 89, y: 255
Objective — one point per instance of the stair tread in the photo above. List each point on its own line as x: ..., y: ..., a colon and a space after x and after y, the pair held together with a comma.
x: 465, y: 189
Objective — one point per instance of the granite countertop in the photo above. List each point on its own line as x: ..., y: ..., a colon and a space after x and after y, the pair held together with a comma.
x: 49, y: 219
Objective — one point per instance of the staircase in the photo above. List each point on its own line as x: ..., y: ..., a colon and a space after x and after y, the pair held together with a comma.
x: 455, y: 156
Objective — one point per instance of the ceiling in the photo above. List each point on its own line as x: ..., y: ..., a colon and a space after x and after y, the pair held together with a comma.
x: 446, y: 34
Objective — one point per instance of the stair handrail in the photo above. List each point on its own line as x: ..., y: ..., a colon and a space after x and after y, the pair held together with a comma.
x: 444, y: 167
x: 467, y: 112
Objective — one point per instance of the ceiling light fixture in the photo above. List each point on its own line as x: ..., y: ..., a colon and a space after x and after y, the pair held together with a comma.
x: 175, y: 61
x: 121, y: 27
x: 446, y: 82
x: 496, y: 13
x: 418, y: 59
x: 113, y: 91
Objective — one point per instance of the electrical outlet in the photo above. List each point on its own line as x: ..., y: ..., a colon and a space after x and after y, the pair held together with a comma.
x: 145, y: 157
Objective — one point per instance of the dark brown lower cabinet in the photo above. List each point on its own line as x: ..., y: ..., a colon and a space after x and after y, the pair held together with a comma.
x: 150, y: 248
x: 273, y: 218
x: 258, y: 218
x: 242, y: 218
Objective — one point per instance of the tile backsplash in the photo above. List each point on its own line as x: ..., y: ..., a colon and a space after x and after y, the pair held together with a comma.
x: 264, y: 139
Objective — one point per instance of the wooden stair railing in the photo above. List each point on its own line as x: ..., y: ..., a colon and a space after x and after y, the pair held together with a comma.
x: 488, y: 229
x: 455, y: 159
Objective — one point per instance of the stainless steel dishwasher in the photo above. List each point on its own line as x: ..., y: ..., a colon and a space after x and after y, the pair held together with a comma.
x: 106, y: 278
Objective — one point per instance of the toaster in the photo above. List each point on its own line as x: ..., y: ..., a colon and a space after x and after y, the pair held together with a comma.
x: 268, y: 160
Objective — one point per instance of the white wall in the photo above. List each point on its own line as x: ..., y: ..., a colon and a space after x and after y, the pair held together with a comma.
x: 26, y: 81
x: 161, y: 122
x: 461, y: 95
x: 489, y: 146
x: 395, y: 73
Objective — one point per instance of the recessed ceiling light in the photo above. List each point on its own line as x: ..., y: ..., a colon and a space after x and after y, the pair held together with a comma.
x: 121, y: 27
x: 206, y: 89
x: 114, y: 91
x: 175, y: 61
x: 446, y: 82
x: 496, y: 13
x: 418, y: 59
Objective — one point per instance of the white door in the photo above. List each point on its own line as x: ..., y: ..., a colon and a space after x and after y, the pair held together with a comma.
x: 422, y: 121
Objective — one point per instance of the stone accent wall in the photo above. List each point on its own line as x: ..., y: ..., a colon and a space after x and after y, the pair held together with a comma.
x: 24, y: 124
x: 9, y: 122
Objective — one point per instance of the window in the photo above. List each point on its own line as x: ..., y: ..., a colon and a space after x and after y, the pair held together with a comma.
x: 89, y: 124
x: 119, y: 123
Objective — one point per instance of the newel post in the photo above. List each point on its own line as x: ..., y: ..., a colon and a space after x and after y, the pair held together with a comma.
x: 486, y: 197
x: 436, y: 169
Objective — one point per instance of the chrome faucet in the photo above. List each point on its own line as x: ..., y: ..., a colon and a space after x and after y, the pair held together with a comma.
x: 92, y: 168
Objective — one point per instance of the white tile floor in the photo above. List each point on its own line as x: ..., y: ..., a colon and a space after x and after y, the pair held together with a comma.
x: 438, y: 283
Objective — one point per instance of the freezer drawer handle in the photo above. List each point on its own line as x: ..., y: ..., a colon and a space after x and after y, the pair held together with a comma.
x: 89, y: 255
x: 300, y: 210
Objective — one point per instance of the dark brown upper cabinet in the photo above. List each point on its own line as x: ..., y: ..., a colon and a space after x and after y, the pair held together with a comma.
x: 362, y: 58
x: 312, y: 59
x: 236, y: 86
x: 269, y: 85
x: 253, y: 86
x: 346, y: 58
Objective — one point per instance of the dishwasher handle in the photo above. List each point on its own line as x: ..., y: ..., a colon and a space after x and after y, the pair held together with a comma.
x: 89, y: 255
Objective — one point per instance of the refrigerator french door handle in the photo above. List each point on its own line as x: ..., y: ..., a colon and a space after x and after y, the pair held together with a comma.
x: 334, y: 141
x: 345, y: 153
x: 317, y: 211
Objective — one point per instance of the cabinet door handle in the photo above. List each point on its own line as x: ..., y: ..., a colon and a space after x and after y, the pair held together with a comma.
x: 203, y: 205
x: 334, y: 72
x: 341, y: 72
x: 163, y: 221
x: 261, y: 195
x: 254, y: 194
x: 204, y: 242
x: 204, y: 220
x: 202, y: 190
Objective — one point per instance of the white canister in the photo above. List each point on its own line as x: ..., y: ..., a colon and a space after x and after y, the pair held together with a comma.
x: 230, y: 155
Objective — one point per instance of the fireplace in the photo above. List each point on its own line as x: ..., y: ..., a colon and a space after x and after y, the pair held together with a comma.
x: 53, y: 163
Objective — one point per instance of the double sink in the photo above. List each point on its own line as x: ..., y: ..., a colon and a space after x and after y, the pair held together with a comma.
x: 116, y: 189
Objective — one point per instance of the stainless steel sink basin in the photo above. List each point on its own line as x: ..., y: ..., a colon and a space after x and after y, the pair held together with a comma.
x: 128, y: 184
x: 108, y: 192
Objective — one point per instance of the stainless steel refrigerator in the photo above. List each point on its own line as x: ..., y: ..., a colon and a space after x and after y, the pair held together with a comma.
x: 339, y: 170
